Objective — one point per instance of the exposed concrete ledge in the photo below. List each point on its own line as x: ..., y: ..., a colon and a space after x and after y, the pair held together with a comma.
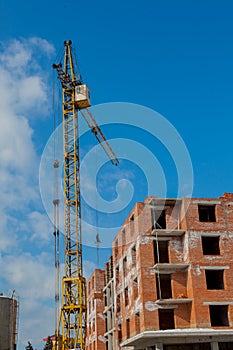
x: 217, y: 267
x: 173, y: 301
x: 218, y: 303
x: 178, y: 336
x: 203, y: 202
x: 167, y: 232
x: 169, y: 268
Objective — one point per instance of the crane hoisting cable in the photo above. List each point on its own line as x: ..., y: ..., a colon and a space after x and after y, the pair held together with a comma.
x: 75, y: 99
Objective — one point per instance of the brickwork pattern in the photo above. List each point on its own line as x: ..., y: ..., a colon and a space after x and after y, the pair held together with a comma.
x: 149, y: 261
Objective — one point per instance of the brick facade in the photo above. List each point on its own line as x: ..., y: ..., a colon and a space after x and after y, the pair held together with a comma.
x: 171, y: 269
x: 95, y: 306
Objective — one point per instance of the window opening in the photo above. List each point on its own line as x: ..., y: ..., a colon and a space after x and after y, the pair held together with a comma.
x: 210, y: 245
x: 116, y: 247
x: 166, y: 319
x: 118, y: 304
x: 219, y: 315
x: 125, y: 265
x: 163, y: 286
x: 206, y: 213
x: 128, y: 328
x: 133, y: 254
x: 131, y: 217
x: 158, y: 219
x: 106, y: 324
x: 119, y: 333
x: 135, y: 288
x: 161, y: 254
x: 117, y: 274
x: 137, y: 322
x: 126, y: 296
x: 214, y: 279
x: 225, y: 345
x: 105, y: 299
x: 123, y: 237
x: 111, y: 267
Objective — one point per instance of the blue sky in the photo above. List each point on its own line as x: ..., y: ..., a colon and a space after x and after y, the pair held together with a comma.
x: 172, y: 57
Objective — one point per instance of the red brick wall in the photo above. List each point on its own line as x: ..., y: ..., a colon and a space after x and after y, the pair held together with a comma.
x: 95, y: 307
x: 141, y: 312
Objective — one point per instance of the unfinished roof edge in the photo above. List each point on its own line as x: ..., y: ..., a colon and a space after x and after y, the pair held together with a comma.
x: 150, y: 199
x: 177, y: 334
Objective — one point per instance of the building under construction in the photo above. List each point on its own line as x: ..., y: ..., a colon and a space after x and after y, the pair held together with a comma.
x: 168, y: 284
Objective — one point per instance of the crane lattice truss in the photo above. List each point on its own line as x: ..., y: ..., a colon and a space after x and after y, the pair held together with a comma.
x: 73, y: 309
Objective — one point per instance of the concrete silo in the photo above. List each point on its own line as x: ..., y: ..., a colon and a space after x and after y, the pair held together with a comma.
x: 8, y: 323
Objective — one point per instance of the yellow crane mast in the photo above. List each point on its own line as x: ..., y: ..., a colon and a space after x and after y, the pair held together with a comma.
x: 75, y: 99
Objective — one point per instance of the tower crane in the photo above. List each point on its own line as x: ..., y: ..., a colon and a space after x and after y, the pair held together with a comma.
x: 75, y: 102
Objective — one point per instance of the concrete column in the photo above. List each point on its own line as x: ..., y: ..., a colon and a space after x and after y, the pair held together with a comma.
x: 214, y: 345
x: 109, y: 341
x: 159, y: 346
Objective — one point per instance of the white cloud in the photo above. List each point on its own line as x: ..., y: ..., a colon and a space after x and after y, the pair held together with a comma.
x: 30, y: 275
x: 23, y: 90
x: 15, y: 55
x: 32, y: 278
x: 40, y: 227
x: 32, y: 90
x: 88, y: 268
x: 43, y: 44
x: 24, y: 229
x: 17, y: 151
x: 20, y: 53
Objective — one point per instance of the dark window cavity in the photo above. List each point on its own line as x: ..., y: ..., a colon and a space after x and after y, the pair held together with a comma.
x: 210, y: 245
x: 206, y: 213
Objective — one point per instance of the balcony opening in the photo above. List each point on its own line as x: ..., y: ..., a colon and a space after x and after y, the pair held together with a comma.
x: 111, y: 267
x: 219, y: 315
x: 125, y: 266
x: 206, y: 213
x: 105, y: 299
x: 214, y: 279
x: 127, y: 328
x: 135, y: 288
x: 158, y: 219
x: 163, y: 286
x: 118, y: 304
x: 197, y: 346
x: 225, y: 345
x: 126, y: 296
x: 123, y: 237
x: 210, y: 245
x: 133, y: 254
x: 117, y: 274
x: 119, y: 333
x: 166, y: 319
x: 137, y: 322
x: 161, y: 254
x: 116, y: 248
